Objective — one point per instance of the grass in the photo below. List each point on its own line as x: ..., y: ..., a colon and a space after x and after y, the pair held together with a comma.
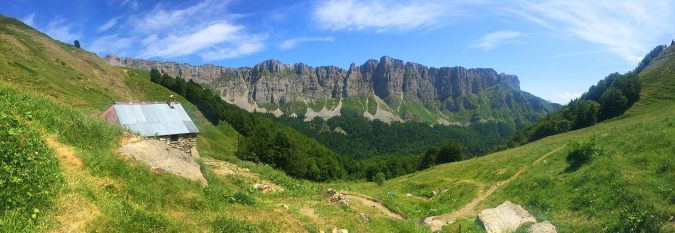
x: 63, y: 90
x: 628, y: 187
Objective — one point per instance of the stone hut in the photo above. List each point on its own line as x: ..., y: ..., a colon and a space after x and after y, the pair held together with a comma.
x: 165, y: 121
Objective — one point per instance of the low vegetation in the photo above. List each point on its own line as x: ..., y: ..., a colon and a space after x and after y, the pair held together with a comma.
x: 30, y: 177
x: 611, y: 97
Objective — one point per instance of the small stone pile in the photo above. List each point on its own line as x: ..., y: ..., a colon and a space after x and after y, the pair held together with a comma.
x: 337, y: 197
x: 183, y: 143
x: 263, y: 188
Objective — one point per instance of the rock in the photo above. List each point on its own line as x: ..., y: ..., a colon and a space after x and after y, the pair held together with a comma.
x: 337, y: 197
x: 364, y: 217
x: 388, y: 79
x: 336, y: 230
x: 408, y: 195
x: 263, y: 188
x: 505, y: 218
x: 543, y: 227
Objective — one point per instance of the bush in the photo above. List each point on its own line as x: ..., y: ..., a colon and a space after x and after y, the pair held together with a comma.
x: 581, y: 153
x: 379, y: 178
x: 243, y: 198
x: 29, y: 174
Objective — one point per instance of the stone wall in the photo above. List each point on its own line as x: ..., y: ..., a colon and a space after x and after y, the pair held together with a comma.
x: 185, y: 142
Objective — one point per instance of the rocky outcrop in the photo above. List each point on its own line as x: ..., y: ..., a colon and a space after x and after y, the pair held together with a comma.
x: 507, y: 217
x: 389, y: 79
x: 542, y: 227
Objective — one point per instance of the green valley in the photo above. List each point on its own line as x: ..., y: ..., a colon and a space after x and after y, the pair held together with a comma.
x: 603, y: 163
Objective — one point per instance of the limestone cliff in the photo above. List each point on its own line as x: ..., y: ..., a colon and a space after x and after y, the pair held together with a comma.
x: 276, y: 86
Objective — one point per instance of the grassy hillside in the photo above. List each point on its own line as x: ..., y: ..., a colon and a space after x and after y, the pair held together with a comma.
x: 51, y: 94
x: 628, y: 187
x: 50, y: 97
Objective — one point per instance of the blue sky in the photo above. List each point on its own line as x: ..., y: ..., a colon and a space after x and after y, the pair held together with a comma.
x: 557, y: 48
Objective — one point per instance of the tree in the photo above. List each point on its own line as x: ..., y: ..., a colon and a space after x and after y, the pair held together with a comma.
x: 612, y: 103
x: 77, y: 43
x: 586, y: 114
x: 429, y: 159
x: 166, y: 80
x: 451, y: 151
x: 155, y: 76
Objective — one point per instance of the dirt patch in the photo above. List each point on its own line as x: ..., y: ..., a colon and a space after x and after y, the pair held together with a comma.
x: 159, y: 155
x: 226, y: 169
x: 74, y: 211
x: 223, y: 168
x: 435, y: 223
x: 309, y: 212
x: 65, y: 154
x: 369, y: 201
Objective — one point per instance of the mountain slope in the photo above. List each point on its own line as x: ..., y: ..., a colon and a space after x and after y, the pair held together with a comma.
x: 626, y: 187
x: 57, y: 92
x: 388, y: 90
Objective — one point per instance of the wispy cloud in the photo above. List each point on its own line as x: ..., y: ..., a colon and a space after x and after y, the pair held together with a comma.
x: 226, y: 39
x: 111, y: 23
x: 130, y: 3
x: 292, y: 43
x: 112, y: 44
x: 29, y: 20
x: 60, y: 30
x: 626, y: 28
x: 205, y: 30
x: 566, y: 97
x: 493, y: 39
x: 380, y: 15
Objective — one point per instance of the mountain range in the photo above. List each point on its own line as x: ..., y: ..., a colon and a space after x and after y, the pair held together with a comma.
x: 387, y: 90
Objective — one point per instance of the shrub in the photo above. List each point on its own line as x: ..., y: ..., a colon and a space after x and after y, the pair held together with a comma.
x: 379, y: 178
x: 243, y: 198
x: 29, y: 173
x: 581, y: 153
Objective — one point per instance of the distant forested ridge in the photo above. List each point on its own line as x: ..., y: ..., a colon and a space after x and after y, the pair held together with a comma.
x: 361, y: 145
x: 359, y: 138
x: 609, y: 98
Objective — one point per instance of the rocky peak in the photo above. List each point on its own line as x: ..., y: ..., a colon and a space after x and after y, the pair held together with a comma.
x: 390, y: 79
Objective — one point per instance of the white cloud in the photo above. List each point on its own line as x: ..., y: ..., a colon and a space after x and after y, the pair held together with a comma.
x: 226, y: 39
x: 29, y: 20
x: 241, y: 49
x: 58, y: 29
x: 111, y: 44
x: 292, y: 43
x: 205, y: 30
x: 380, y: 15
x: 493, y: 39
x: 566, y: 97
x: 160, y: 19
x: 628, y: 29
x: 111, y: 23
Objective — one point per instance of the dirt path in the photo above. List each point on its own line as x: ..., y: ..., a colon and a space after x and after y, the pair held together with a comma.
x: 369, y: 201
x: 435, y: 223
x: 74, y: 211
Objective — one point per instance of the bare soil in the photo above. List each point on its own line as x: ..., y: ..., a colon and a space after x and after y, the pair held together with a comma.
x: 159, y: 155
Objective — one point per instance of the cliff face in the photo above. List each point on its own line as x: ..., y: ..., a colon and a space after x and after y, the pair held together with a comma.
x: 391, y: 80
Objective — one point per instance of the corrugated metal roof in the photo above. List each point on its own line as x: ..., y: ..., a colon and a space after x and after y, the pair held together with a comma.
x: 156, y: 119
